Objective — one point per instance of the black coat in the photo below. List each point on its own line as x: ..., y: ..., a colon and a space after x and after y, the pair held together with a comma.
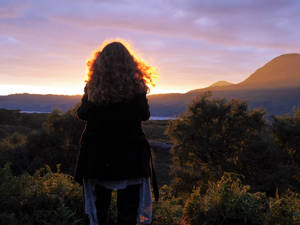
x: 113, y: 144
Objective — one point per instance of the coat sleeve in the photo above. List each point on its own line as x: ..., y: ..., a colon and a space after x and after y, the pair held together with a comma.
x: 144, y: 111
x: 82, y: 111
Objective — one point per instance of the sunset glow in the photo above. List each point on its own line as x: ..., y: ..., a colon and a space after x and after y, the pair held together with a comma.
x: 150, y: 70
x: 165, y: 91
x: 12, y: 89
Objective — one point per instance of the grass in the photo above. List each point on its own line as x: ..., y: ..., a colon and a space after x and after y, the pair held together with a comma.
x: 155, y: 130
x: 162, y: 158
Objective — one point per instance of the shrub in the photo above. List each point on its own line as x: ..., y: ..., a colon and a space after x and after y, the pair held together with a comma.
x: 45, y: 198
x: 215, y: 136
x: 285, y: 210
x: 226, y: 202
x: 287, y: 134
x: 168, y: 211
x: 209, y: 137
x: 57, y: 142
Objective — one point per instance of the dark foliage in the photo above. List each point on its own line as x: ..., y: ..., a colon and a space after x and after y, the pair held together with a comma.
x: 56, y: 141
x: 216, y: 136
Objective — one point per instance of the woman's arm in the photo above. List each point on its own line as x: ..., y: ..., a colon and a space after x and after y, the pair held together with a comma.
x: 144, y: 111
x: 82, y: 111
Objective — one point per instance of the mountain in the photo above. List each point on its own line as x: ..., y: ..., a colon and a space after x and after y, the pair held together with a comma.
x: 221, y: 83
x: 281, y: 72
x: 37, y: 102
x: 275, y: 87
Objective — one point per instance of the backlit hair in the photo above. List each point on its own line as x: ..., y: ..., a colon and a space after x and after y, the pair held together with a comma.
x: 114, y: 75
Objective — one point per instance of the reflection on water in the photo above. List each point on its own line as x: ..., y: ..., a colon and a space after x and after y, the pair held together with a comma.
x: 33, y: 112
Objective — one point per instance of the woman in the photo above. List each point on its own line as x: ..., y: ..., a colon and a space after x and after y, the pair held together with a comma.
x: 115, y: 153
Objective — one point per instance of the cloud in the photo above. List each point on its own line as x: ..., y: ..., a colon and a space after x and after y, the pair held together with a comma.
x: 12, y: 8
x: 8, y: 40
x: 220, y: 38
x: 269, y: 24
x: 254, y: 23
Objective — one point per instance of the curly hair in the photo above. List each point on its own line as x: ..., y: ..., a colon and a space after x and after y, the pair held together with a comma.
x: 115, y: 75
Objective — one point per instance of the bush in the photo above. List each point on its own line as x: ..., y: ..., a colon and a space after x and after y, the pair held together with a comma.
x: 215, y: 136
x: 226, y: 202
x: 45, y: 198
x: 287, y: 134
x: 285, y: 210
x: 168, y: 211
x: 53, y: 198
x: 57, y: 142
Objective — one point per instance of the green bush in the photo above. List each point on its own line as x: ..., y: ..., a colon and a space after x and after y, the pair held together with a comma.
x: 53, y: 198
x: 226, y: 202
x: 45, y: 198
x: 168, y: 211
x: 229, y: 202
x: 286, y: 130
x: 209, y: 137
x: 215, y: 136
x: 56, y: 142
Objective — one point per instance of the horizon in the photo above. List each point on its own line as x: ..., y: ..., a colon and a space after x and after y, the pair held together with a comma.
x: 192, y: 44
x: 46, y: 93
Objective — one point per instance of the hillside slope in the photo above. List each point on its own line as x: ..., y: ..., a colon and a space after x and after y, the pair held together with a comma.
x: 281, y: 72
x: 275, y: 87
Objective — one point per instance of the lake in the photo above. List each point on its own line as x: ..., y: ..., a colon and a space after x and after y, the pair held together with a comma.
x: 151, y: 118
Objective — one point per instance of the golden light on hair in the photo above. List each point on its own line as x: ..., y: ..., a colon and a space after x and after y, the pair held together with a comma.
x: 151, y: 74
x: 116, y: 72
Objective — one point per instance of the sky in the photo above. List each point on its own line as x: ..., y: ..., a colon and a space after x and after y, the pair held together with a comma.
x: 44, y: 45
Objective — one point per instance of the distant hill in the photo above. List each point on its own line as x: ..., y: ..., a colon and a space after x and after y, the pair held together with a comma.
x: 275, y: 101
x: 275, y: 87
x: 281, y: 72
x: 39, y: 103
x: 221, y: 83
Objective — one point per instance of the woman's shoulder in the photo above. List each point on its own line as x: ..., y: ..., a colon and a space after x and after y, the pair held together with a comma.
x: 133, y: 101
x: 126, y: 106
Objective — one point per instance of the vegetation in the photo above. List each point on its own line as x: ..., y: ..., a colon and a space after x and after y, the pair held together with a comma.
x: 228, y: 165
x: 229, y: 202
x: 155, y: 130
x: 54, y: 142
x: 43, y: 198
x: 216, y: 136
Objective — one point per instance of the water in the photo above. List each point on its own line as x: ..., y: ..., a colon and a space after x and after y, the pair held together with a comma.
x: 33, y: 112
x: 151, y: 118
x: 161, y: 118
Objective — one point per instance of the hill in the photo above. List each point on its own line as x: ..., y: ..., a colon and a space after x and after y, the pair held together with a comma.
x: 281, y: 72
x: 221, y: 83
x: 38, y: 103
x: 275, y: 87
